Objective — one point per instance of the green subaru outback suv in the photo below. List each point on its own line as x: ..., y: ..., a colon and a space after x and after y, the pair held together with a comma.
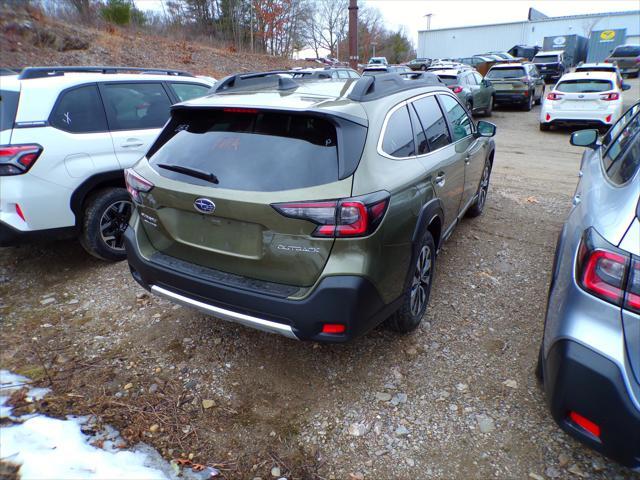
x: 313, y: 209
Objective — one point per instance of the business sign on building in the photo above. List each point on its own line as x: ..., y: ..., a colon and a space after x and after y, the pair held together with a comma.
x: 602, y: 43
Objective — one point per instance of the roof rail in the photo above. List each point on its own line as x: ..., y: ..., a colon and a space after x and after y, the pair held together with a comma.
x: 378, y: 86
x: 258, y: 79
x: 43, y: 72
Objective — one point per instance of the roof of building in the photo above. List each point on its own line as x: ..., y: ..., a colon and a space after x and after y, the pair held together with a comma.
x: 549, y: 19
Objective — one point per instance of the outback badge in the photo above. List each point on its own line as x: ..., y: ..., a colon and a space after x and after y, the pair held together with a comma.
x: 204, y: 205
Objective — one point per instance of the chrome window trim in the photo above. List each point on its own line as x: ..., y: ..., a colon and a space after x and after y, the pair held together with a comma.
x: 406, y: 103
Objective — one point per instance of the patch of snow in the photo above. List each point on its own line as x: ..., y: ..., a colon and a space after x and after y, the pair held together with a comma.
x: 52, y: 448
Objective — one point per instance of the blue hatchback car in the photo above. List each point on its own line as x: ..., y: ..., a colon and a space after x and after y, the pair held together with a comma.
x: 589, y: 360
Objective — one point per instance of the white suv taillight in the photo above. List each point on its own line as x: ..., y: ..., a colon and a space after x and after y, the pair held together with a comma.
x: 610, y: 96
x: 136, y: 184
x: 554, y: 96
x: 18, y: 159
x: 348, y: 217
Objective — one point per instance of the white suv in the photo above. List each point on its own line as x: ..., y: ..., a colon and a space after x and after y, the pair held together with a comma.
x: 66, y: 135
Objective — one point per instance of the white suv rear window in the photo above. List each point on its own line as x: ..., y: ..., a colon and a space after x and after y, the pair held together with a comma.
x: 587, y: 85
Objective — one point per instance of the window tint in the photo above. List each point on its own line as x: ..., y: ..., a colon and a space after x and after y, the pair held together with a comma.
x: 623, y: 157
x: 263, y: 151
x: 457, y: 116
x: 422, y: 146
x: 471, y: 79
x: 8, y: 108
x: 584, y: 86
x: 546, y: 59
x: 343, y: 74
x: 79, y: 111
x: 449, y: 80
x: 398, y: 136
x: 133, y: 106
x: 620, y: 124
x: 353, y: 74
x: 433, y: 122
x: 498, y: 73
x: 187, y: 91
x: 478, y: 77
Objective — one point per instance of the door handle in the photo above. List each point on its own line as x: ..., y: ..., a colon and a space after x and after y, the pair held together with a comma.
x: 576, y: 200
x: 132, y: 143
x: 467, y: 159
x: 580, y: 174
x: 440, y: 180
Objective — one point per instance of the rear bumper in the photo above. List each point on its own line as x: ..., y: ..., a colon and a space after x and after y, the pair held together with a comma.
x: 10, y: 236
x: 578, y: 379
x: 578, y: 117
x: 349, y: 300
x: 511, y: 97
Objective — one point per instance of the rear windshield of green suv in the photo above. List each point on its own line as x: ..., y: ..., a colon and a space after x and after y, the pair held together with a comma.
x: 503, y: 73
x: 250, y: 150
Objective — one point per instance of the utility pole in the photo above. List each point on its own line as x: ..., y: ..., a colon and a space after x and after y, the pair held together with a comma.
x: 353, y: 34
x: 251, y: 17
x: 373, y: 44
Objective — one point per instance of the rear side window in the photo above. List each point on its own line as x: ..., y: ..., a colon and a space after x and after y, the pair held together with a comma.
x: 500, y: 73
x: 623, y: 156
x: 252, y: 151
x: 620, y: 124
x: 626, y: 51
x: 458, y: 118
x: 433, y: 123
x: 136, y: 106
x: 8, y: 108
x: 187, y: 91
x: 587, y: 85
x: 398, y: 136
x: 79, y: 111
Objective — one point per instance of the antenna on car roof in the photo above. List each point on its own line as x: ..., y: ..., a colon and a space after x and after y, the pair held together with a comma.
x: 378, y: 86
x: 43, y: 72
x: 258, y: 79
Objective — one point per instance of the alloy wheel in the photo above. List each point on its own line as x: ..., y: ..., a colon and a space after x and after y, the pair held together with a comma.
x: 484, y: 186
x: 421, y: 281
x: 113, y: 223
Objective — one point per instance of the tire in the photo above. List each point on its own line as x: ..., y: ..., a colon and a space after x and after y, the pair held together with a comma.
x: 477, y: 207
x: 489, y: 110
x: 545, y: 127
x: 418, y: 288
x: 529, y: 105
x: 423, y: 67
x: 106, y: 216
x: 469, y: 106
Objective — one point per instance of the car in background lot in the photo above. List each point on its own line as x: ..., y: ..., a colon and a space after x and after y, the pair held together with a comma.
x: 524, y: 51
x: 516, y: 84
x: 378, y: 61
x: 481, y: 64
x: 419, y: 64
x: 502, y: 55
x: 601, y: 67
x: 583, y: 98
x: 550, y: 64
x: 66, y: 135
x: 316, y: 219
x: 589, y: 360
x: 626, y: 57
x: 381, y: 69
x: 472, y: 90
x: 326, y: 73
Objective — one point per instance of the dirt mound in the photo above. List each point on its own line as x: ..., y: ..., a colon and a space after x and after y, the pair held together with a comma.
x: 29, y: 38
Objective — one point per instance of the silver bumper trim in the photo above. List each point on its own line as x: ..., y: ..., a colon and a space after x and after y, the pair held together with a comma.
x: 241, y: 318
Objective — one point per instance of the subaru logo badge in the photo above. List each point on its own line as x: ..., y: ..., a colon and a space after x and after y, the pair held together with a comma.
x: 580, y: 96
x: 204, y: 205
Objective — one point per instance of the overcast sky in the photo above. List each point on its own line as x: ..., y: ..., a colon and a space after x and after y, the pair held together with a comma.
x: 456, y: 13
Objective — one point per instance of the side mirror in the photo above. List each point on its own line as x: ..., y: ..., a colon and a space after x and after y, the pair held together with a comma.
x: 486, y: 129
x: 625, y: 86
x: 585, y: 138
x: 486, y: 83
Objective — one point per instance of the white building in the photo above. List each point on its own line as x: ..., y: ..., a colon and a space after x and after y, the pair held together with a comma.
x: 467, y: 41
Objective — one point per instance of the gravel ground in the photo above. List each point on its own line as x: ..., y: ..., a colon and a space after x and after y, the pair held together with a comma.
x: 455, y: 399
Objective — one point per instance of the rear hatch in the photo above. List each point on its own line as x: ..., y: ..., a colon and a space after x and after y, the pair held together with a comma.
x: 589, y: 94
x: 505, y: 79
x: 257, y: 159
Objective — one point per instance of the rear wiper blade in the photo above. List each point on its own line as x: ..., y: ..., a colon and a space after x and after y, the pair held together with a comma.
x: 192, y: 172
